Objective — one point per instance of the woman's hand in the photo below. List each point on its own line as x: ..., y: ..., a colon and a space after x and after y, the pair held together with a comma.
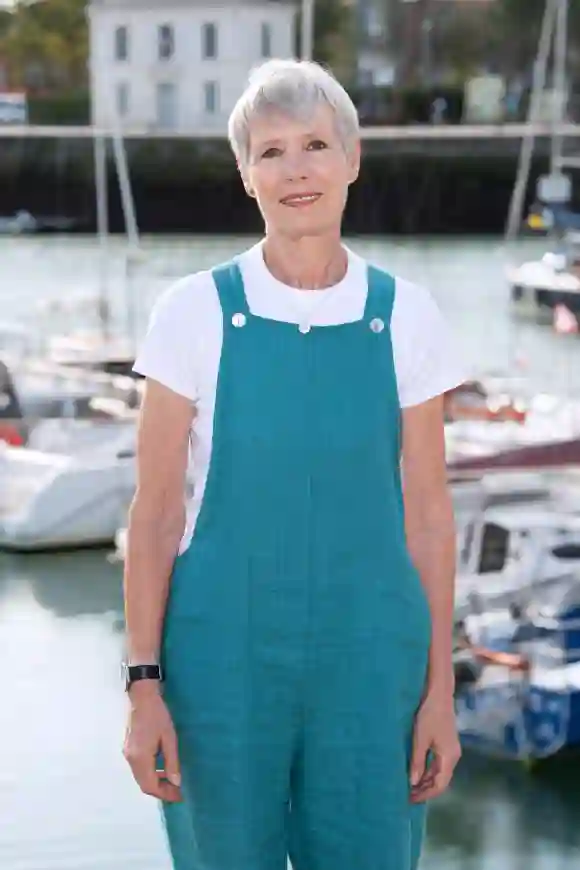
x: 150, y: 731
x: 435, y: 735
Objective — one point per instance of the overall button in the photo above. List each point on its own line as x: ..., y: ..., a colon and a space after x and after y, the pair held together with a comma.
x: 377, y: 325
x: 304, y: 328
x: 239, y: 320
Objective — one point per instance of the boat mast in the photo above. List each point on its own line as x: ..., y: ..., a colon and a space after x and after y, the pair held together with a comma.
x: 553, y: 32
x: 551, y: 16
x: 132, y: 253
x: 100, y: 157
x: 558, y: 160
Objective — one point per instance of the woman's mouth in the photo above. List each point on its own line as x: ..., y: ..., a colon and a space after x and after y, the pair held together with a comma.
x: 295, y: 200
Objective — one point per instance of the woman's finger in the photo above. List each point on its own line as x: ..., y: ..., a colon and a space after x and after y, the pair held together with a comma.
x: 153, y: 782
x: 439, y: 781
x: 169, y: 752
x: 428, y: 777
x: 418, y: 758
x: 167, y: 792
x: 146, y: 776
x: 426, y: 782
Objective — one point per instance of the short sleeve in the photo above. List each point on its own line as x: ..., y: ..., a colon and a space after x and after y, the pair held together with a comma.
x: 169, y: 350
x: 427, y: 360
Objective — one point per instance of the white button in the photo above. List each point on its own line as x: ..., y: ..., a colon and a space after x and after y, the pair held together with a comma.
x: 377, y: 325
x: 304, y: 328
x: 239, y: 319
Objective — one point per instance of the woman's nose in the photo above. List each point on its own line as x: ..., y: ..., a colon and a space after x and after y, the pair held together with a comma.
x: 294, y: 166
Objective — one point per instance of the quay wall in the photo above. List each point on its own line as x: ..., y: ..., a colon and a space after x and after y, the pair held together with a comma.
x: 414, y: 180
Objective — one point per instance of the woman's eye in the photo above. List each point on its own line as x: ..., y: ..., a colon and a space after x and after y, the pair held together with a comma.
x: 317, y: 145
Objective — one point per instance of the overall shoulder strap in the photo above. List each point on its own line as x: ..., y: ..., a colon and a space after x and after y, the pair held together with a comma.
x: 380, y: 295
x: 230, y: 287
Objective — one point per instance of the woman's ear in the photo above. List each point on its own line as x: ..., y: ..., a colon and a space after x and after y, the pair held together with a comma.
x: 354, y: 163
x: 245, y: 181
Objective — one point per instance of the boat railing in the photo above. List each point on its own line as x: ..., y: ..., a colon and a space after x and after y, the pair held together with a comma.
x: 111, y: 384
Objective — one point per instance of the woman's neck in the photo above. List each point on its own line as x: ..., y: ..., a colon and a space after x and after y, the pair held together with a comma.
x: 308, y: 263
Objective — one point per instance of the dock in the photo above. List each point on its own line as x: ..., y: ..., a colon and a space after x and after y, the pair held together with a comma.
x: 416, y: 179
x: 501, y: 140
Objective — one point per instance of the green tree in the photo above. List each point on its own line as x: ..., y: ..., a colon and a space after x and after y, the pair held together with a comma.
x: 334, y: 37
x: 461, y: 43
x: 5, y: 21
x: 516, y: 26
x: 46, y: 44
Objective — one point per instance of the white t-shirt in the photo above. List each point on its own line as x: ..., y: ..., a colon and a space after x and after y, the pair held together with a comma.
x: 182, y: 347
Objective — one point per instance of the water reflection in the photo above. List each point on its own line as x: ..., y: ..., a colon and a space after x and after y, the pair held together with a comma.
x: 67, y: 584
x: 496, y: 807
x: 67, y: 797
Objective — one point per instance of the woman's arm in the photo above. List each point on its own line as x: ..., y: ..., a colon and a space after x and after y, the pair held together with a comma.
x: 156, y: 517
x: 430, y: 528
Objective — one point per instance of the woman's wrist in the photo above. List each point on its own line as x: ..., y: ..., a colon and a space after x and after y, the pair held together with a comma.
x: 441, y: 680
x: 144, y: 689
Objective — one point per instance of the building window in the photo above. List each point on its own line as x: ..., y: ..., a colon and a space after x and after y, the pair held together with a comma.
x: 122, y: 99
x: 167, y: 105
x: 209, y: 41
x: 165, y: 41
x: 266, y: 40
x: 211, y: 97
x: 122, y: 43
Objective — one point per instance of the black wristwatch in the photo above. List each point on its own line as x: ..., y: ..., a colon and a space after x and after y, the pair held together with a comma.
x: 134, y: 673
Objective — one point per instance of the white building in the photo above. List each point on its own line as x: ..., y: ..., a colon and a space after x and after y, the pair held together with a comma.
x: 179, y: 65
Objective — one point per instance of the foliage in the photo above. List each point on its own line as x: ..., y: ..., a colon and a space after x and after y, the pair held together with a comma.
x: 514, y: 12
x: 408, y: 105
x: 516, y: 26
x: 461, y: 43
x: 334, y: 37
x: 72, y: 108
x: 5, y: 21
x: 46, y: 45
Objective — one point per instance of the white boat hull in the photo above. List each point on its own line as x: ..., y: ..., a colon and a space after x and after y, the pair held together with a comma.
x: 51, y: 501
x: 538, y: 285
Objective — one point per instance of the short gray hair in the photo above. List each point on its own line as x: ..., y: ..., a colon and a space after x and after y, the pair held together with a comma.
x: 294, y: 88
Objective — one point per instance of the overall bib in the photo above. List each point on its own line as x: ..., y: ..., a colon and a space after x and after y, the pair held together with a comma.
x: 297, y: 630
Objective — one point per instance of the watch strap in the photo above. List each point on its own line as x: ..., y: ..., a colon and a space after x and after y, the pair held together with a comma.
x: 135, y: 673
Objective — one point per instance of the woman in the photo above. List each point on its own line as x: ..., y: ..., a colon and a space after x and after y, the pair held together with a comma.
x: 304, y: 630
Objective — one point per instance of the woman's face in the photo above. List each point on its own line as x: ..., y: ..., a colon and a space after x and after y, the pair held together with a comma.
x: 299, y: 173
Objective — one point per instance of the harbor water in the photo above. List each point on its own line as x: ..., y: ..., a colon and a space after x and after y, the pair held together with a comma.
x: 67, y: 800
x: 466, y: 276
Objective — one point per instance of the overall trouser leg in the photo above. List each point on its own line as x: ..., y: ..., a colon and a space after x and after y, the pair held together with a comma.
x: 297, y: 630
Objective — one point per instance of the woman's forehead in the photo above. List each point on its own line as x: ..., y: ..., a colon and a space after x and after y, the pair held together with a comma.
x: 274, y: 124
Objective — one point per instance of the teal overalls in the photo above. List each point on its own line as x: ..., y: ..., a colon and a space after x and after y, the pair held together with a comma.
x: 297, y: 630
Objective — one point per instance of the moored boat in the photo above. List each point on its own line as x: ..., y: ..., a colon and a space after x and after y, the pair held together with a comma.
x: 522, y: 701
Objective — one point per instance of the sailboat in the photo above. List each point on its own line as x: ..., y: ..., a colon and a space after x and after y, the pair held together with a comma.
x: 101, y: 349
x: 550, y: 284
x: 521, y: 701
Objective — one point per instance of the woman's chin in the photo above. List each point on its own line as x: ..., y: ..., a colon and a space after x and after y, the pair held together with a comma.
x: 305, y: 223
